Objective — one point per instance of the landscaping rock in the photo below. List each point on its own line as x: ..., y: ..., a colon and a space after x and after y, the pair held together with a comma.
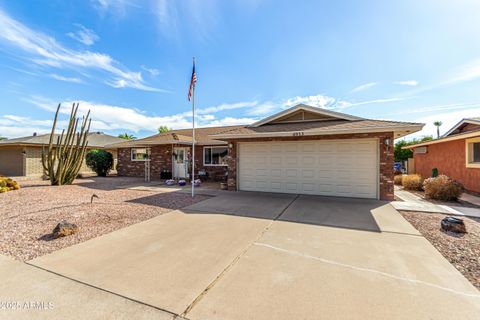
x: 64, y: 229
x: 453, y: 224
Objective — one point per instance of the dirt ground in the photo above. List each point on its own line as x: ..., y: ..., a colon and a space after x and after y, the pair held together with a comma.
x: 462, y: 250
x: 28, y: 216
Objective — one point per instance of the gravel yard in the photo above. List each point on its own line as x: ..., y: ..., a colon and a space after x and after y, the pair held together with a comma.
x: 28, y: 216
x: 463, y: 251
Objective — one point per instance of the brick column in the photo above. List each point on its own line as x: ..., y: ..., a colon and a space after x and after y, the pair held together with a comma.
x: 232, y: 166
x: 386, y: 167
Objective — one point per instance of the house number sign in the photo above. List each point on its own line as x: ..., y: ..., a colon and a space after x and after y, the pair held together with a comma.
x: 298, y: 133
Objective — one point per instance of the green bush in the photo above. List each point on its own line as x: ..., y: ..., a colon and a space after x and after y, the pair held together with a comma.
x: 100, y: 161
x: 434, y: 172
x: 412, y: 182
x: 442, y: 188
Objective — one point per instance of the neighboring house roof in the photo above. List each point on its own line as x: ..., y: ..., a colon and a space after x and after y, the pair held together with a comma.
x: 95, y: 139
x: 181, y: 136
x: 466, y: 128
x: 464, y: 125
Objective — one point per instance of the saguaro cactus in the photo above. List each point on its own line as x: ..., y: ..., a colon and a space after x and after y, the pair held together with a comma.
x: 62, y: 160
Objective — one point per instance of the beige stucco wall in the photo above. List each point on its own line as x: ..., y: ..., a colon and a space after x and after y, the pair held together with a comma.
x: 11, y: 161
x: 14, y: 163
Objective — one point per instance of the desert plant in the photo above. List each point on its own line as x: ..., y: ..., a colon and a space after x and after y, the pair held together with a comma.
x: 412, y: 182
x: 62, y: 160
x: 100, y: 161
x: 397, y: 179
x: 434, y: 172
x: 8, y: 184
x: 442, y: 188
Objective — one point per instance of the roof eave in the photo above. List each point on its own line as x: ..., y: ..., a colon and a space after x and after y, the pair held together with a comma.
x: 408, y: 129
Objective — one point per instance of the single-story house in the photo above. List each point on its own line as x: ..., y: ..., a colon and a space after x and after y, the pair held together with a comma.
x: 456, y: 154
x: 301, y: 150
x: 23, y: 156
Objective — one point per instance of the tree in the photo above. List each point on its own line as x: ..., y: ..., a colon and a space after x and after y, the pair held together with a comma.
x: 403, y: 154
x: 438, y: 124
x: 100, y: 161
x: 62, y: 160
x: 163, y: 129
x: 127, y: 136
x: 3, y: 138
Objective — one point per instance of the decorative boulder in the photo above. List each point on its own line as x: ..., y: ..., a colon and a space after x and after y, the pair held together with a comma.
x: 63, y: 229
x: 182, y: 183
x: 453, y: 224
x: 170, y: 182
x: 197, y: 182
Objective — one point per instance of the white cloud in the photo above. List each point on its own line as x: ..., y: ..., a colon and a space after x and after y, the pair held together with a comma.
x: 449, y: 119
x: 230, y: 121
x: 15, y: 131
x: 46, y: 51
x: 152, y: 71
x: 318, y: 100
x: 66, y: 79
x: 84, y: 35
x: 342, y: 104
x: 411, y: 83
x: 363, y: 87
x: 466, y: 72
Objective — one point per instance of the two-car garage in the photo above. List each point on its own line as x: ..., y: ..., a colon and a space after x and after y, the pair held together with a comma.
x: 346, y: 168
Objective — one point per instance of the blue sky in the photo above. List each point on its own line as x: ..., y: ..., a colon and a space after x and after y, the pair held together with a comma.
x: 130, y: 61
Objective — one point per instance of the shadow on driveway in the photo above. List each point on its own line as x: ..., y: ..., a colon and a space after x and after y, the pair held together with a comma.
x: 349, y: 213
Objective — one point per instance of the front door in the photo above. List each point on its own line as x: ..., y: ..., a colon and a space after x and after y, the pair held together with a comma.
x: 179, y: 165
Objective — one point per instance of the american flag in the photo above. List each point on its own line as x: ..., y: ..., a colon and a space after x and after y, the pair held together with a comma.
x: 192, y: 83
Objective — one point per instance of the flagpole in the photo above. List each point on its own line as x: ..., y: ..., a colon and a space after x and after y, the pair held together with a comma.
x: 193, y: 136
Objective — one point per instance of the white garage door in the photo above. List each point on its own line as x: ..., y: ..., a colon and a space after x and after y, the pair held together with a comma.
x: 346, y: 168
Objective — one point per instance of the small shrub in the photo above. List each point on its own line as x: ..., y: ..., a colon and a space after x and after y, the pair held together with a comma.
x: 434, y: 172
x: 442, y: 188
x: 100, y: 161
x: 412, y: 182
x: 398, y: 179
x: 8, y: 184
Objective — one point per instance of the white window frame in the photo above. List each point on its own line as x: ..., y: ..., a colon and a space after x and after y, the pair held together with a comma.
x: 214, y: 165
x: 469, y: 153
x: 147, y: 150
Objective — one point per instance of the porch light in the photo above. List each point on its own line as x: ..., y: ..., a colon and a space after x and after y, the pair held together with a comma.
x: 388, y: 142
x: 230, y: 145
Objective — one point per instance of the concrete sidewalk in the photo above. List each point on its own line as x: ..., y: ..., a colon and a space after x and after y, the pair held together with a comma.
x: 27, y: 292
x: 412, y: 202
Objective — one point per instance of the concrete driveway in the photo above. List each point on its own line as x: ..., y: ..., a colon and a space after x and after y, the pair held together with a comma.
x: 270, y: 256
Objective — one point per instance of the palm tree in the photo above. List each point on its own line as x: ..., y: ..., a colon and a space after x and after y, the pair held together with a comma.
x: 127, y: 136
x: 438, y: 124
x: 163, y: 129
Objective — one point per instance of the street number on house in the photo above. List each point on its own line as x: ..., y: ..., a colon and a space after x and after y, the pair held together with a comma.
x: 298, y: 133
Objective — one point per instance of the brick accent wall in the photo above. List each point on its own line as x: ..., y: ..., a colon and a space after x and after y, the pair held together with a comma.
x: 449, y: 158
x: 386, y: 157
x: 161, y: 159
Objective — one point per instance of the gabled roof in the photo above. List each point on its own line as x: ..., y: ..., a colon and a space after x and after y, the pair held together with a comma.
x: 314, y: 114
x: 181, y: 136
x: 95, y: 139
x: 462, y: 124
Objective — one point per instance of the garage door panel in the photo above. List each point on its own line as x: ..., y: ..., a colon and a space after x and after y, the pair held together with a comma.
x: 337, y: 168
